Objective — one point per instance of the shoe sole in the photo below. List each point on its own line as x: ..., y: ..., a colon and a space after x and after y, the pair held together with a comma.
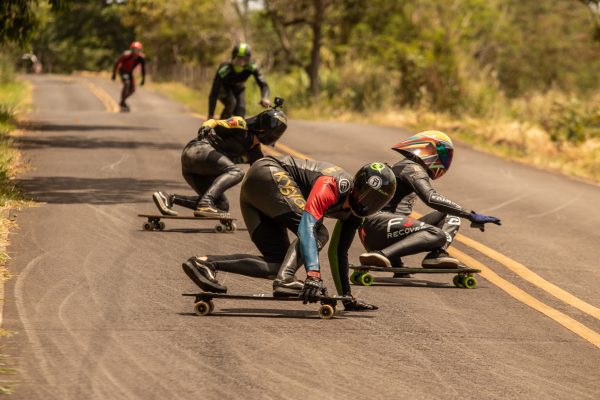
x: 442, y: 265
x: 284, y: 292
x: 200, y: 280
x: 373, y: 261
x: 161, y: 207
x: 207, y: 214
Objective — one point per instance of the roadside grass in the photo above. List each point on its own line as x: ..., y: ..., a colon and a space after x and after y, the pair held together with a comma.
x: 551, y: 131
x: 14, y: 95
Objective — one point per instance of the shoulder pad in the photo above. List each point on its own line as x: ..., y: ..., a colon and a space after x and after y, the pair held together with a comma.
x: 127, y: 53
x: 233, y: 123
x: 344, y: 185
x: 224, y: 70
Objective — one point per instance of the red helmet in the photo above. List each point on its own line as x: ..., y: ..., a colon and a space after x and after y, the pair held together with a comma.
x: 136, y: 46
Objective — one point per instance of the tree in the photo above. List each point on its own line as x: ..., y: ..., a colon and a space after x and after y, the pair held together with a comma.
x: 19, y: 19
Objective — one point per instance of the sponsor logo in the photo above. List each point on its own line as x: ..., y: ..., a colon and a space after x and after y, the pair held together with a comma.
x: 453, y: 221
x: 331, y: 170
x: 448, y: 237
x: 375, y: 182
x: 377, y: 166
x: 344, y: 185
x: 289, y: 190
x: 402, y: 227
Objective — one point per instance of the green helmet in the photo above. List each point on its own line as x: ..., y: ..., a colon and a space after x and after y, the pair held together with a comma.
x: 241, y: 49
x: 374, y: 186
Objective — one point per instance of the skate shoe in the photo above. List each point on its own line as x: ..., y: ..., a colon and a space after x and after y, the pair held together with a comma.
x: 357, y: 305
x: 203, y: 275
x: 163, y: 203
x: 287, y: 287
x: 440, y: 259
x: 375, y: 259
x: 209, y: 210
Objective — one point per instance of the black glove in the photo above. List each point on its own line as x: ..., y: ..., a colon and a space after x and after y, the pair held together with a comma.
x: 113, y: 77
x: 357, y: 305
x: 203, y: 131
x: 312, y: 290
x: 479, y: 220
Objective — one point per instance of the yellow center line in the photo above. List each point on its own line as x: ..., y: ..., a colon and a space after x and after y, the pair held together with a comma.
x: 105, y: 99
x: 563, y: 319
x: 290, y: 151
x: 531, y: 277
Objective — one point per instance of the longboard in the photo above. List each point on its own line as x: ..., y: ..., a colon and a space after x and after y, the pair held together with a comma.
x: 205, y: 306
x: 154, y: 222
x: 464, y: 276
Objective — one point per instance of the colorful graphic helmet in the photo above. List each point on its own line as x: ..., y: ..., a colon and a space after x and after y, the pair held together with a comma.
x: 268, y: 125
x: 374, y: 186
x: 136, y: 46
x: 432, y: 149
x: 241, y: 50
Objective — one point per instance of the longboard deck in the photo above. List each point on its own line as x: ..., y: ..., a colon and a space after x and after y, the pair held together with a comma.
x: 154, y: 223
x: 160, y: 216
x: 409, y: 270
x: 259, y: 296
x: 205, y: 306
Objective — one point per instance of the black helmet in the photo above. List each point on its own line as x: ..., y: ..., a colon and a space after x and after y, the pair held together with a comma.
x: 374, y: 186
x: 241, y: 49
x: 268, y: 125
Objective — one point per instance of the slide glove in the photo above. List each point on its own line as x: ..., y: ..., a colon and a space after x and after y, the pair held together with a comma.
x: 204, y: 131
x: 358, y: 305
x: 479, y: 220
x: 313, y: 289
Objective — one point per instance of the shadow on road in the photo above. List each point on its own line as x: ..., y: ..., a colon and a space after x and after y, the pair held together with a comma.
x: 411, y: 282
x: 72, y: 190
x: 82, y: 142
x: 277, y: 313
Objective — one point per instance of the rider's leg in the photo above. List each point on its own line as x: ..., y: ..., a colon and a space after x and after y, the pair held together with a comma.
x: 231, y: 176
x: 449, y: 224
x: 229, y: 103
x: 240, y: 103
x: 388, y: 237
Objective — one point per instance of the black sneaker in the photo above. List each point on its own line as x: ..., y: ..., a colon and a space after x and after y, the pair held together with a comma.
x: 163, y: 203
x: 400, y: 264
x: 440, y: 259
x: 203, y: 275
x: 357, y: 305
x: 285, y: 288
x: 209, y: 210
x: 375, y: 259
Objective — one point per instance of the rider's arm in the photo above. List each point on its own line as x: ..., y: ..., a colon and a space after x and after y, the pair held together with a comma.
x: 322, y: 196
x: 416, y: 176
x: 340, y: 242
x: 143, y: 66
x: 117, y: 64
x: 214, y: 94
x: 261, y: 82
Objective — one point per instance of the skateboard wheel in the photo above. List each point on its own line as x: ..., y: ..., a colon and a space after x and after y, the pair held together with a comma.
x: 457, y: 280
x: 354, y: 277
x: 366, y: 279
x: 326, y: 311
x: 229, y: 228
x: 202, y: 307
x: 161, y: 225
x: 469, y: 282
x: 218, y: 228
x: 147, y: 226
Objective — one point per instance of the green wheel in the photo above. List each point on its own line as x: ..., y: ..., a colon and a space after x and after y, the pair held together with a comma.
x: 469, y: 282
x: 366, y: 279
x: 326, y: 311
x: 457, y: 280
x: 354, y: 277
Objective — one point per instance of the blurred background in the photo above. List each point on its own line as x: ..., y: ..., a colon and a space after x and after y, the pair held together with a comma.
x: 517, y: 78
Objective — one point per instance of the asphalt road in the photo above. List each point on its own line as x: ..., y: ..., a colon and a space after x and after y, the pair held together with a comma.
x: 96, y: 309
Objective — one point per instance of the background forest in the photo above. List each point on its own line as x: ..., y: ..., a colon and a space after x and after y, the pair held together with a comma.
x: 512, y: 76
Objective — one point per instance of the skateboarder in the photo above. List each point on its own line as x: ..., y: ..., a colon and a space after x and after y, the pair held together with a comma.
x: 392, y: 234
x: 229, y: 84
x: 208, y: 162
x: 128, y: 61
x: 281, y: 193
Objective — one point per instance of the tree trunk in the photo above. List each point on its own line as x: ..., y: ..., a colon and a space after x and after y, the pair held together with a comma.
x: 317, y: 42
